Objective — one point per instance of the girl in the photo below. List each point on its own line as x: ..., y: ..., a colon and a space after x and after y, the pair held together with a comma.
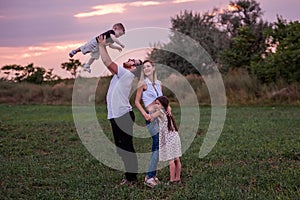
x: 169, y: 140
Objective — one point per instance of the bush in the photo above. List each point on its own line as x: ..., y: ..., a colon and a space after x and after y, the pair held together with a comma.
x: 241, y: 89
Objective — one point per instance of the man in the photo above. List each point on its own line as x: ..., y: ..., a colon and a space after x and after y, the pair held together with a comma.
x: 120, y: 111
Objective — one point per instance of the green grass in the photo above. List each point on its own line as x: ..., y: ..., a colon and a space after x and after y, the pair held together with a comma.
x: 256, y: 157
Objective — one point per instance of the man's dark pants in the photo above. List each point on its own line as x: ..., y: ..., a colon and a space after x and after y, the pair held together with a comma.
x: 122, y: 128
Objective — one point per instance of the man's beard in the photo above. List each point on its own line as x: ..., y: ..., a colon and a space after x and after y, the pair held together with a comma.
x: 127, y: 65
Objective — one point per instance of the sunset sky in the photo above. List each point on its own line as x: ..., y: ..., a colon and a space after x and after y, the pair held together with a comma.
x: 43, y: 32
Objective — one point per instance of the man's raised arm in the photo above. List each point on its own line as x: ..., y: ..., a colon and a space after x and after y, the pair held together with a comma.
x: 111, y: 66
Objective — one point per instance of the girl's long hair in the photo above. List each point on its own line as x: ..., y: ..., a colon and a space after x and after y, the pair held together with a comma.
x: 171, y: 121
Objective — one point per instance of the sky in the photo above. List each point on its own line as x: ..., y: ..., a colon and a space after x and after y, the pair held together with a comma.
x: 44, y: 32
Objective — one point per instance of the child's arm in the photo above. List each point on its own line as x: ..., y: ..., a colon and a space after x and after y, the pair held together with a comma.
x: 169, y: 111
x: 115, y: 47
x: 157, y: 113
x: 113, y: 37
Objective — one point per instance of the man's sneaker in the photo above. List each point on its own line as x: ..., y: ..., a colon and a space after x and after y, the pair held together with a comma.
x: 150, y: 182
x: 86, y: 67
x: 125, y: 182
x: 72, y: 53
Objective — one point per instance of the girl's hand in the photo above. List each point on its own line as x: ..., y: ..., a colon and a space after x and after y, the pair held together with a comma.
x: 169, y: 111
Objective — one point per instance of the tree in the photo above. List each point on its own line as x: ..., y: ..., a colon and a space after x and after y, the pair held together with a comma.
x: 282, y: 57
x: 246, y: 47
x: 245, y: 26
x: 71, y: 66
x: 189, y: 28
x: 28, y: 73
x: 37, y: 76
x: 232, y: 37
x: 12, y: 71
x: 49, y: 76
x: 204, y: 29
x: 240, y: 13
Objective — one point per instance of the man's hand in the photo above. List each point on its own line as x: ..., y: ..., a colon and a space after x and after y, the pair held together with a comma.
x: 102, y: 40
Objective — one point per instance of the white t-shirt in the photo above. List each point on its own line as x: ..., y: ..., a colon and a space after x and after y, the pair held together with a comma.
x: 118, y: 93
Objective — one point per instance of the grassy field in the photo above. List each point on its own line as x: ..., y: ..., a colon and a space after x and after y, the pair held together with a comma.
x: 257, y: 157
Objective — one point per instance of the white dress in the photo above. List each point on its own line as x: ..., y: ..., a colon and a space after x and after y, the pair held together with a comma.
x: 169, y: 141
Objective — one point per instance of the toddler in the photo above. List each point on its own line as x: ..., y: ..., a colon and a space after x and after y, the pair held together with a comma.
x: 92, y: 46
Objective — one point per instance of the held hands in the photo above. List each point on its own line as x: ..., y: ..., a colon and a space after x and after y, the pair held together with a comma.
x: 147, y: 117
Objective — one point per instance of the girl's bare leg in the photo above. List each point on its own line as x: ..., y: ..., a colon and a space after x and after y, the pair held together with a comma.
x: 172, y: 170
x: 177, y: 169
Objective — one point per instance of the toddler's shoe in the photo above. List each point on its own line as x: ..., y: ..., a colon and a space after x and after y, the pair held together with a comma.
x: 86, y: 67
x: 72, y: 53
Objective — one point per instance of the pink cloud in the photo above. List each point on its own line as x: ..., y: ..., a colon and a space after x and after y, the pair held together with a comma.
x: 183, y: 1
x: 114, y: 8
x: 103, y: 10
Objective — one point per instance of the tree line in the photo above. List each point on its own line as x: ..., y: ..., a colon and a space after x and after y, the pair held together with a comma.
x: 234, y: 38
x: 37, y: 75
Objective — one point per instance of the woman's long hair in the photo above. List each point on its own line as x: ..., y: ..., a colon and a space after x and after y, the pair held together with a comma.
x: 171, y: 121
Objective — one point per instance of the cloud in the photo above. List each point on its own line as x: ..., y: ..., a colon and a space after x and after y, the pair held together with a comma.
x: 145, y: 3
x: 114, y: 8
x: 182, y: 1
x: 22, y: 55
x: 103, y: 10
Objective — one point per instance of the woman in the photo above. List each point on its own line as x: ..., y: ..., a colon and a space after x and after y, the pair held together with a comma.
x: 149, y: 88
